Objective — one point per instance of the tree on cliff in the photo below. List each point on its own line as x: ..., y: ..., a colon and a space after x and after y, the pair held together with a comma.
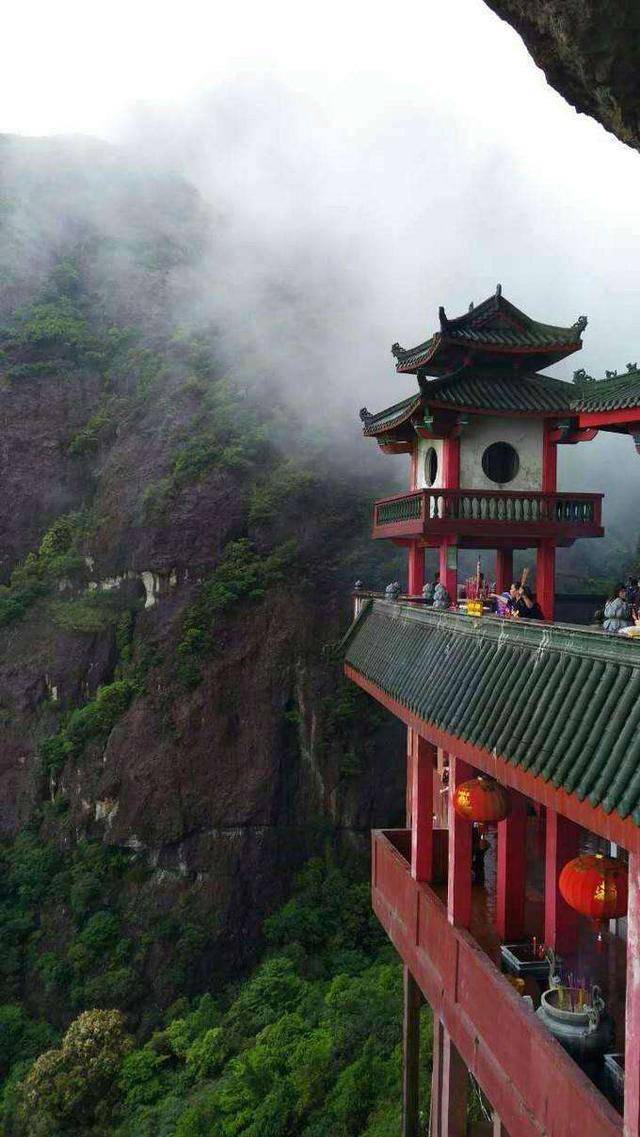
x: 73, y: 1089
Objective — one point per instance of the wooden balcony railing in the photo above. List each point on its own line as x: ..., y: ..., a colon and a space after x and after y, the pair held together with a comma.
x: 463, y: 511
x: 533, y: 1085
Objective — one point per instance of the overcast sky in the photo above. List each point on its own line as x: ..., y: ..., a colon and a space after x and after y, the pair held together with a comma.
x: 412, y: 146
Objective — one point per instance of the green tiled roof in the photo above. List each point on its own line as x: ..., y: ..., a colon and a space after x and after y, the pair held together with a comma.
x: 495, y: 323
x: 391, y: 417
x: 485, y: 388
x: 616, y: 394
x: 489, y: 388
x: 560, y: 702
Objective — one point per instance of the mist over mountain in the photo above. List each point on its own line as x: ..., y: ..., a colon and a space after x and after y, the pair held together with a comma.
x: 336, y: 240
x: 192, y: 315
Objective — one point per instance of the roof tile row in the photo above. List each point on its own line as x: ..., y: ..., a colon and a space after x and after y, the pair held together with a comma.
x: 562, y: 703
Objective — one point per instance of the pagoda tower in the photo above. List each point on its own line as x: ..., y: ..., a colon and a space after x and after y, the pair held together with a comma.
x: 482, y: 432
x: 521, y: 736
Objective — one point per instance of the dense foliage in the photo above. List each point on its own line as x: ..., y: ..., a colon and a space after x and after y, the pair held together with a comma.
x: 308, y: 1045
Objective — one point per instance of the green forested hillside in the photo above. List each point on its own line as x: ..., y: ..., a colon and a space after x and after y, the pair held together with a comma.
x: 309, y: 1044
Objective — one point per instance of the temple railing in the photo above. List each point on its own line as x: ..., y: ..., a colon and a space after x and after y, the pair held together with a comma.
x: 533, y: 1085
x: 450, y: 510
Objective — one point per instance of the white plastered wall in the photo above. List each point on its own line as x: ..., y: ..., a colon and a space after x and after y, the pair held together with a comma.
x: 525, y: 435
x: 425, y: 444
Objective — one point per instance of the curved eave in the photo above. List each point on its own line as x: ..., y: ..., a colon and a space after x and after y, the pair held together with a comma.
x: 541, y: 355
x: 387, y: 425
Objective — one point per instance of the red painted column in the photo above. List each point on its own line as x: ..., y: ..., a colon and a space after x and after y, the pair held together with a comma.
x: 549, y: 460
x: 546, y: 555
x: 415, y: 570
x: 546, y: 577
x: 504, y: 569
x: 411, y: 1057
x: 455, y: 1089
x: 449, y: 569
x: 411, y: 736
x: 459, y: 878
x: 632, y: 1015
x: 413, y: 468
x: 423, y: 760
x: 562, y: 843
x: 451, y: 464
x: 435, y: 1128
x: 450, y: 481
x: 511, y: 872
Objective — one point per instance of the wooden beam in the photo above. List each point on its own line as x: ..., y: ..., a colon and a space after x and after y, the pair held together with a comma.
x: 411, y: 1057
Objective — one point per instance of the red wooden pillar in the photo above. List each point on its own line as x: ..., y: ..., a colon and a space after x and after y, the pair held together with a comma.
x: 422, y: 764
x: 562, y: 843
x: 455, y: 1089
x: 504, y: 569
x: 632, y: 1015
x: 449, y: 569
x: 415, y: 570
x: 411, y: 1057
x: 546, y: 577
x: 411, y: 744
x: 511, y: 875
x: 413, y: 468
x: 451, y: 463
x: 459, y: 877
x: 450, y: 481
x: 549, y: 459
x: 435, y: 1128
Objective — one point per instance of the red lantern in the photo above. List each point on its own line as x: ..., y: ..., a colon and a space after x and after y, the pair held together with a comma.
x: 481, y: 799
x: 596, y: 886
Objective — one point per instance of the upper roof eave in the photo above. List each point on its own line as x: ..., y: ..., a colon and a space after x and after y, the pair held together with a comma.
x: 519, y: 335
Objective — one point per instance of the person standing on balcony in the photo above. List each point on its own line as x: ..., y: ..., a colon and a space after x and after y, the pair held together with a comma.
x: 617, y: 611
x: 430, y: 587
x: 527, y: 607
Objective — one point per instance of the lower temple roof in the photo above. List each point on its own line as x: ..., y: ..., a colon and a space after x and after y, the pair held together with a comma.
x: 560, y: 702
x: 616, y: 392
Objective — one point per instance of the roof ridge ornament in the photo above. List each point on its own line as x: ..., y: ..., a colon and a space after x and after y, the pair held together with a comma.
x: 365, y: 415
x: 442, y: 316
x: 397, y: 350
x: 581, y: 323
x: 498, y: 290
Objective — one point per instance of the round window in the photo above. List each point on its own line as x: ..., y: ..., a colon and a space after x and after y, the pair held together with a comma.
x: 431, y: 466
x: 500, y: 462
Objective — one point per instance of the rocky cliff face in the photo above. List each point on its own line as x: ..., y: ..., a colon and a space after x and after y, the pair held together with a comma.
x: 589, y: 51
x: 174, y: 576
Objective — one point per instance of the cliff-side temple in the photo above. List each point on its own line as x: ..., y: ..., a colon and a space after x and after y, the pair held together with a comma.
x: 513, y: 893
